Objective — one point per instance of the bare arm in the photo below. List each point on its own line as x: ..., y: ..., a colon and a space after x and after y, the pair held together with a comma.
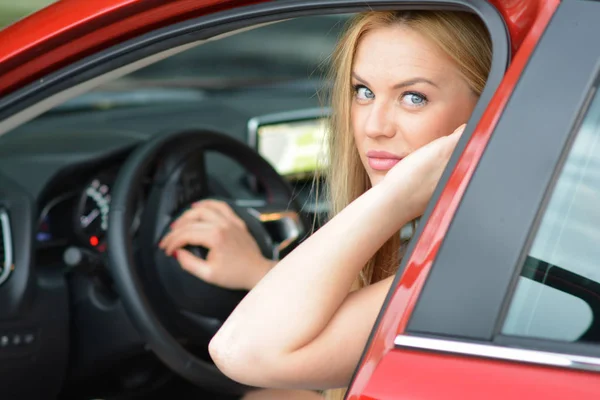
x: 299, y: 327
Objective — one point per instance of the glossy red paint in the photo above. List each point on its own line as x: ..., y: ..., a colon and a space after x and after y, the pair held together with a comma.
x: 70, y: 30
x: 519, y: 16
x: 411, y: 282
x: 464, y: 378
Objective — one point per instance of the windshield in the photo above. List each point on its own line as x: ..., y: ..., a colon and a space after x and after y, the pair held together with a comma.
x: 289, y: 52
x: 300, y: 52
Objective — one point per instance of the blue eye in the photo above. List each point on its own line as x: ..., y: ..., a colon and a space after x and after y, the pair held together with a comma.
x: 363, y: 93
x: 413, y: 99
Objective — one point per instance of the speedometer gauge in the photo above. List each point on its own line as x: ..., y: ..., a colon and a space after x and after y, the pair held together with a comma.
x: 93, y: 211
x: 93, y: 208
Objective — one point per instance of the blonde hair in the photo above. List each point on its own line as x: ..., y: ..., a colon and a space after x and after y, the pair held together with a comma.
x: 463, y: 37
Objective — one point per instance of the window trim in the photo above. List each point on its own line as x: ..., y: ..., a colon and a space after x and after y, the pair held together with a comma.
x: 547, y: 345
x: 499, y: 352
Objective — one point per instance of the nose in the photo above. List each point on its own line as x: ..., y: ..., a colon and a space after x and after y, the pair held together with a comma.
x: 379, y: 121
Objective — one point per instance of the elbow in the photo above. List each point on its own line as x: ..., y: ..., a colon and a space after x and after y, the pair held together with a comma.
x: 240, y: 361
x: 234, y: 359
x: 221, y: 355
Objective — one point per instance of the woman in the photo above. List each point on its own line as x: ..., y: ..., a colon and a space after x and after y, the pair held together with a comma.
x: 405, y: 83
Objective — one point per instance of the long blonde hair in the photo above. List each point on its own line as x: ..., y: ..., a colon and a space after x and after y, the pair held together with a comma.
x: 463, y: 37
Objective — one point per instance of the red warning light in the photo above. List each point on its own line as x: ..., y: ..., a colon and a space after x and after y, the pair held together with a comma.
x: 94, y: 241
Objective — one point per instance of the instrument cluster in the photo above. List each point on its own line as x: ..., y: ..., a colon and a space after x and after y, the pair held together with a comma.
x: 79, y: 217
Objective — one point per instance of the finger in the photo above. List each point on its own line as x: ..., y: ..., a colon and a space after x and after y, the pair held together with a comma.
x: 194, y: 265
x: 460, y: 129
x: 191, y: 236
x: 196, y: 214
x: 223, y: 208
x: 447, y: 144
x: 199, y: 234
x: 168, y: 238
x: 457, y: 134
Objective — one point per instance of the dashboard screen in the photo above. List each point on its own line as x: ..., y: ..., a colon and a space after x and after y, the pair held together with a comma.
x: 296, y: 149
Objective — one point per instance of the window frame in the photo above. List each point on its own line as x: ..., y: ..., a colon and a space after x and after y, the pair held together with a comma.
x: 463, y: 265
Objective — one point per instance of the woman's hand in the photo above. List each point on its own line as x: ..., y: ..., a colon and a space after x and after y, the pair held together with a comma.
x: 420, y: 172
x: 234, y: 260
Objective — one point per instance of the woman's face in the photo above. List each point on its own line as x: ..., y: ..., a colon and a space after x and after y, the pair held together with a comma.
x: 407, y: 92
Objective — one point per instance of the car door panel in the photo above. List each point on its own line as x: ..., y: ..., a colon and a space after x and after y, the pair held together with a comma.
x: 409, y: 374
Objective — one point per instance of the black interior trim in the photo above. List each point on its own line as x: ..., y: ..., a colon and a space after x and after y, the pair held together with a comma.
x: 480, y: 259
x: 34, y: 306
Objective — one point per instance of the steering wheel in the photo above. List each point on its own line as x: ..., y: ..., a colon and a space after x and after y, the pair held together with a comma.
x: 176, y: 313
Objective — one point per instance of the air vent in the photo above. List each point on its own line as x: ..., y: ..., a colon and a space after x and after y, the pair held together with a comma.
x: 6, y: 256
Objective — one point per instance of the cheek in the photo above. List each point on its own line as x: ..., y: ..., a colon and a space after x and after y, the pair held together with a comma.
x: 356, y: 120
x: 425, y: 127
x: 420, y: 129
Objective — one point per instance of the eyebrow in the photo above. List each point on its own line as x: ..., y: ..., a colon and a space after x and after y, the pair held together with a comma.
x: 400, y: 85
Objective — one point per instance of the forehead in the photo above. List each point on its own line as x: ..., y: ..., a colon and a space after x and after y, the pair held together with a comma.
x: 397, y: 50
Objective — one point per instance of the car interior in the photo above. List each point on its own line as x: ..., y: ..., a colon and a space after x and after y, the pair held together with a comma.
x: 241, y: 119
x: 255, y: 93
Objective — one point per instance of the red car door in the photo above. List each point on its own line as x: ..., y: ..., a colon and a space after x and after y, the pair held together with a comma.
x: 508, y: 264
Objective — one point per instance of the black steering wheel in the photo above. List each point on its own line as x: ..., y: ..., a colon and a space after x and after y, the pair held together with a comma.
x: 176, y: 313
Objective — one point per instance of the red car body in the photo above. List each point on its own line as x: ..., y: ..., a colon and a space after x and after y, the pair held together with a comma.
x: 70, y: 30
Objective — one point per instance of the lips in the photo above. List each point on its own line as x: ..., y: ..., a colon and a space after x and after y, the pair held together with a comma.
x: 382, y: 160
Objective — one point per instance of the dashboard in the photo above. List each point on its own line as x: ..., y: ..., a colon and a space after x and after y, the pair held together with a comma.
x: 59, y: 171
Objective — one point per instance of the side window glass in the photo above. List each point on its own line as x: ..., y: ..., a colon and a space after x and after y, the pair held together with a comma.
x: 558, y: 293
